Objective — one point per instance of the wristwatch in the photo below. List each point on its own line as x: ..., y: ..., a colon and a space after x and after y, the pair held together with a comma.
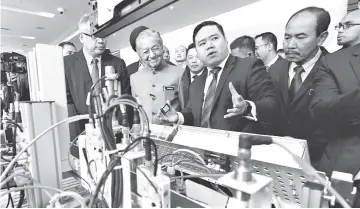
x: 248, y: 109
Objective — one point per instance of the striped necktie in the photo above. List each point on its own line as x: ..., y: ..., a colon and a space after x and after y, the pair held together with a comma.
x: 95, y: 74
x: 209, y: 98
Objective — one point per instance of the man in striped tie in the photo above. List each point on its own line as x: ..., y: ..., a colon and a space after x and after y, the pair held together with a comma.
x: 237, y: 93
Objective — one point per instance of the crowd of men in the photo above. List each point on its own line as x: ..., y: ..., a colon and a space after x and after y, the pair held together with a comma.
x: 301, y: 90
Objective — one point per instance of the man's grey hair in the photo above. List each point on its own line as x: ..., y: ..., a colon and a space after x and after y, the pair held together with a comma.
x: 148, y: 33
x: 84, y: 21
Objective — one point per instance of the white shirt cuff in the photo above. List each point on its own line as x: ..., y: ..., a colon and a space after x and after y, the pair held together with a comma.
x: 252, y: 115
x: 181, y: 118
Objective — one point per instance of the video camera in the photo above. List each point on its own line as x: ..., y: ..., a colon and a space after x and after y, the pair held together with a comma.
x: 13, y: 62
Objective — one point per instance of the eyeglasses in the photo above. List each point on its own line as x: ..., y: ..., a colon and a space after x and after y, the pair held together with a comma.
x: 92, y: 36
x: 345, y: 25
x: 257, y: 47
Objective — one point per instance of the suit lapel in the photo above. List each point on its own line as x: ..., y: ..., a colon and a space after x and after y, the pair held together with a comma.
x: 284, y: 83
x: 102, y: 70
x: 229, y: 65
x: 305, y: 86
x: 198, y: 96
x: 82, y: 68
x: 355, y: 62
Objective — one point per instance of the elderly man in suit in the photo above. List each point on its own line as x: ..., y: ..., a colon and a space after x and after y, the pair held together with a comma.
x: 85, y: 67
x: 236, y: 95
x: 294, y: 77
x: 158, y: 82
x: 335, y: 107
x: 194, y: 68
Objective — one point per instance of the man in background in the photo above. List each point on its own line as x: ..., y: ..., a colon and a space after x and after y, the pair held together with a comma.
x: 68, y: 48
x: 84, y: 68
x: 158, y: 82
x: 180, y: 56
x: 335, y: 106
x: 243, y: 46
x: 194, y: 69
x: 349, y: 29
x: 265, y: 48
x: 281, y: 53
x: 166, y: 56
x: 294, y: 77
x: 138, y: 65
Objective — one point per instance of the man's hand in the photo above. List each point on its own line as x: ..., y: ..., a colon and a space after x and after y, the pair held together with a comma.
x: 170, y: 117
x: 239, y: 104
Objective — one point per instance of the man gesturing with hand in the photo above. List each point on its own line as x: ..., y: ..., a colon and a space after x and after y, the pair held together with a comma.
x: 237, y: 93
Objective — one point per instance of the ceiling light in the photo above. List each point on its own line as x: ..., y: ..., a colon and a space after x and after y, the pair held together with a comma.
x: 42, y: 14
x: 27, y: 37
x: 5, y: 29
x: 171, y: 7
x: 40, y: 28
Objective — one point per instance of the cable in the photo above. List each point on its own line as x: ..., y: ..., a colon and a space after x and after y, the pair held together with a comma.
x: 180, y: 155
x: 22, y: 198
x: 30, y: 187
x: 13, y: 123
x: 188, y: 151
x: 113, y: 162
x: 311, y: 171
x: 74, y: 195
x: 68, y: 120
x: 152, y: 185
x: 198, y: 176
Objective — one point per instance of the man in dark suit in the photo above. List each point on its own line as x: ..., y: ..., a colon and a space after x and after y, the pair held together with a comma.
x: 305, y: 32
x: 335, y: 108
x: 349, y: 29
x: 85, y: 67
x: 194, y: 68
x: 243, y: 47
x: 265, y: 48
x: 237, y: 94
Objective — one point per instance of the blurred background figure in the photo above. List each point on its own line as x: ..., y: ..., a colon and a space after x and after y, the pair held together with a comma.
x: 349, y: 29
x: 281, y: 53
x: 180, y: 56
x: 265, y: 48
x: 68, y: 48
x: 243, y: 46
x: 166, y: 56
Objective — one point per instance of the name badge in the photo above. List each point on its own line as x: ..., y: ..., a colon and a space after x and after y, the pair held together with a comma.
x: 169, y: 88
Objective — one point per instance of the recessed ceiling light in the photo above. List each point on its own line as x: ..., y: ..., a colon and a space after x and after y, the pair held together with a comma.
x: 5, y: 29
x: 12, y: 36
x: 27, y: 37
x: 24, y: 45
x: 40, y: 28
x: 42, y: 14
x: 171, y: 7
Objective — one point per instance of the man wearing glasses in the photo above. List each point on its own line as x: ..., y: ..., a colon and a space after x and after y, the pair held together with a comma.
x: 349, y: 29
x: 335, y: 106
x: 294, y: 76
x: 265, y: 48
x: 158, y: 81
x: 85, y: 67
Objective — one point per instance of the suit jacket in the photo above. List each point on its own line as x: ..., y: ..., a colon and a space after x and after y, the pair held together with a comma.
x: 154, y: 88
x: 79, y: 81
x: 250, y: 79
x: 295, y: 120
x: 133, y: 68
x: 185, y: 86
x: 335, y: 108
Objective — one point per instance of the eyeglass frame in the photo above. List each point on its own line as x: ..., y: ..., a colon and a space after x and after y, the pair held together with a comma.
x: 345, y: 25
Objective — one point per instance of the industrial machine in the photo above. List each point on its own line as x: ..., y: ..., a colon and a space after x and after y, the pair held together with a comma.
x: 146, y: 165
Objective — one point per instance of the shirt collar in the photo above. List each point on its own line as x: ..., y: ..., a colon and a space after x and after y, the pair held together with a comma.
x: 199, y: 74
x: 89, y: 58
x: 222, y: 64
x: 309, y: 63
x: 272, y: 61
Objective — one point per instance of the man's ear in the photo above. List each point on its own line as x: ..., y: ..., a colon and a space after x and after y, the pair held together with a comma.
x: 81, y: 37
x: 322, y: 37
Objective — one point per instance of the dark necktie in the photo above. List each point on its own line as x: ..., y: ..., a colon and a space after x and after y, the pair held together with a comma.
x: 209, y: 98
x: 95, y: 74
x: 193, y: 78
x: 296, y: 82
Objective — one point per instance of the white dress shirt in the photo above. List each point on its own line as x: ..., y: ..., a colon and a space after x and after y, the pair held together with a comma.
x: 207, y: 85
x: 272, y: 61
x: 193, y: 74
x: 88, y: 59
x: 308, y: 66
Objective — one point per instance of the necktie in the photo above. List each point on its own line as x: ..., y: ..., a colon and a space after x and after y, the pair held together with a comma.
x: 193, y: 77
x: 209, y: 98
x: 95, y: 74
x: 296, y: 81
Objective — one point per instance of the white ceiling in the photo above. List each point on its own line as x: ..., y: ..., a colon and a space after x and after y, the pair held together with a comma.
x: 184, y: 12
x: 21, y: 24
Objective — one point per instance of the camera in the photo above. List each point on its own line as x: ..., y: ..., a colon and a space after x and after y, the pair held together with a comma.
x: 60, y: 10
